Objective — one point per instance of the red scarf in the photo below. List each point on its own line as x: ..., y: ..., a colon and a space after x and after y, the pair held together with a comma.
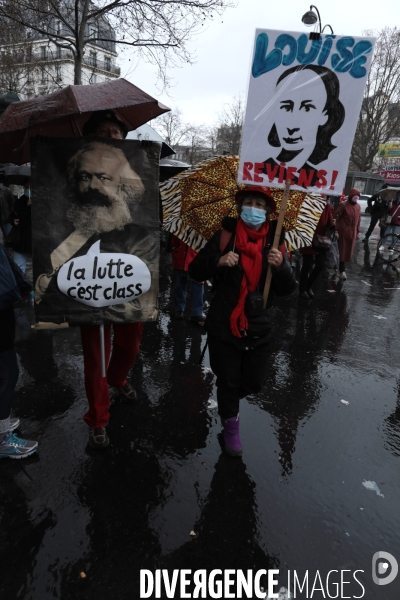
x: 251, y: 261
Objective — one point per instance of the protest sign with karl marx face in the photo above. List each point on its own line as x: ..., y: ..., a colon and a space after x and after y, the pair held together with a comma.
x: 95, y: 230
x: 303, y: 104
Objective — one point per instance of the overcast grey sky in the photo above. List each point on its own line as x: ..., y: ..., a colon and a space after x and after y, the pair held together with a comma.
x: 224, y: 48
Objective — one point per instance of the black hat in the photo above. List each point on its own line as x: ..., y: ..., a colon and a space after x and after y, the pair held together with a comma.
x: 99, y: 117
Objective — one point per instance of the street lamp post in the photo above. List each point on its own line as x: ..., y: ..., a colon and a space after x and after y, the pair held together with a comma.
x: 310, y: 18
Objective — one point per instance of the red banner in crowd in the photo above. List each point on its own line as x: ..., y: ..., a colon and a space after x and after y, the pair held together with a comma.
x: 390, y: 176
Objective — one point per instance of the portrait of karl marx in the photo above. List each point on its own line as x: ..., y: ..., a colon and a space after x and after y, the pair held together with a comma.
x: 307, y: 113
x: 104, y: 190
x: 103, y: 201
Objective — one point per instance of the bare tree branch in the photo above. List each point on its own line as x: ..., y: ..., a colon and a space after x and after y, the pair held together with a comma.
x: 158, y: 29
x: 229, y: 133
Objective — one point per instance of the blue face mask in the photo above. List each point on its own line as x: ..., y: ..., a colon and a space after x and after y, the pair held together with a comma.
x: 253, y: 217
x: 27, y: 193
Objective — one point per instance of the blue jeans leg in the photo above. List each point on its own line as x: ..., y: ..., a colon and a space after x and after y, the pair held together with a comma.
x: 392, y: 229
x: 180, y: 282
x: 5, y: 228
x: 21, y: 258
x: 8, y: 380
x: 197, y: 298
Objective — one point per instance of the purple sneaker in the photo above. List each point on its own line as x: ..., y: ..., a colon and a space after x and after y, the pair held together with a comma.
x: 233, y: 445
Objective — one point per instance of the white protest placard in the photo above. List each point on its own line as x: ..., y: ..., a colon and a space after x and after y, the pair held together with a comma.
x: 104, y: 279
x: 303, y: 103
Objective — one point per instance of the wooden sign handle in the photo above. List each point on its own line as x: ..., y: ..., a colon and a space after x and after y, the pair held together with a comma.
x: 277, y: 236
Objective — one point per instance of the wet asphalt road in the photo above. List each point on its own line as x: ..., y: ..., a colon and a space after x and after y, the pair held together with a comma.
x: 296, y: 501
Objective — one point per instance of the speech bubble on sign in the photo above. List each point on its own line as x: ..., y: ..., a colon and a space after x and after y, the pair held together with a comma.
x: 102, y: 279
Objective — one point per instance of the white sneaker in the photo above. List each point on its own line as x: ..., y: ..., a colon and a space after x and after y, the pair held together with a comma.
x: 343, y: 275
x: 14, y: 423
x: 381, y: 249
x: 14, y: 447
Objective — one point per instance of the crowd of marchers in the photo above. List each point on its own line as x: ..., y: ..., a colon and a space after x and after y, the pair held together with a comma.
x: 236, y: 259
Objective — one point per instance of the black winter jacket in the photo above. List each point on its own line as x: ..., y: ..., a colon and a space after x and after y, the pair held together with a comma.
x: 22, y: 212
x: 376, y: 204
x: 6, y: 204
x: 227, y: 282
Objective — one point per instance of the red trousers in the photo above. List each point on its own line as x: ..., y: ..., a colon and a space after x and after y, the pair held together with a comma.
x: 126, y: 344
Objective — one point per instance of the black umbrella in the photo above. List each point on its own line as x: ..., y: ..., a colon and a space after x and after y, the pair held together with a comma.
x: 16, y: 174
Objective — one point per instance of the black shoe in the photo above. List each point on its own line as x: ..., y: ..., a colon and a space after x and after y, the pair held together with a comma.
x: 304, y: 294
x: 179, y: 314
x: 198, y: 319
x: 310, y: 293
x: 98, y: 438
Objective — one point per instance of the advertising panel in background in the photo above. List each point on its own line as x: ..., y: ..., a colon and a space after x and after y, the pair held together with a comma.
x: 390, y: 176
x: 389, y: 150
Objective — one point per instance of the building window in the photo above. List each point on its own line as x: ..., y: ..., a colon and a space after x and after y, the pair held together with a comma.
x: 107, y: 63
x: 43, y: 52
x: 92, y: 58
x: 58, y: 73
x: 93, y: 78
x: 58, y: 27
x: 58, y: 52
x: 43, y: 79
x: 92, y: 30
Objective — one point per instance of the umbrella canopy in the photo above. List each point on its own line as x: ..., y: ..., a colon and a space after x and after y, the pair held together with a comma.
x: 6, y: 99
x: 196, y: 201
x: 16, y: 174
x: 63, y: 114
x: 146, y: 132
x: 173, y: 164
x: 170, y: 167
x: 389, y: 194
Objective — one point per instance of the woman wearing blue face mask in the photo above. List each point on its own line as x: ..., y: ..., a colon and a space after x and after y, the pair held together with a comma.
x: 21, y: 221
x: 239, y: 328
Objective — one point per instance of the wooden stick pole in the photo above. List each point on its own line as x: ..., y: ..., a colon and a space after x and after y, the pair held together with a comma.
x: 277, y: 236
x: 41, y: 325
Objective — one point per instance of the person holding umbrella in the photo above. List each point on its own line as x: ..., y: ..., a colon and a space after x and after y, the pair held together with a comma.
x: 127, y: 336
x: 238, y: 326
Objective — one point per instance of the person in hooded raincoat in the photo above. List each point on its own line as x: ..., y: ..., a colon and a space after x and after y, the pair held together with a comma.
x: 348, y: 226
